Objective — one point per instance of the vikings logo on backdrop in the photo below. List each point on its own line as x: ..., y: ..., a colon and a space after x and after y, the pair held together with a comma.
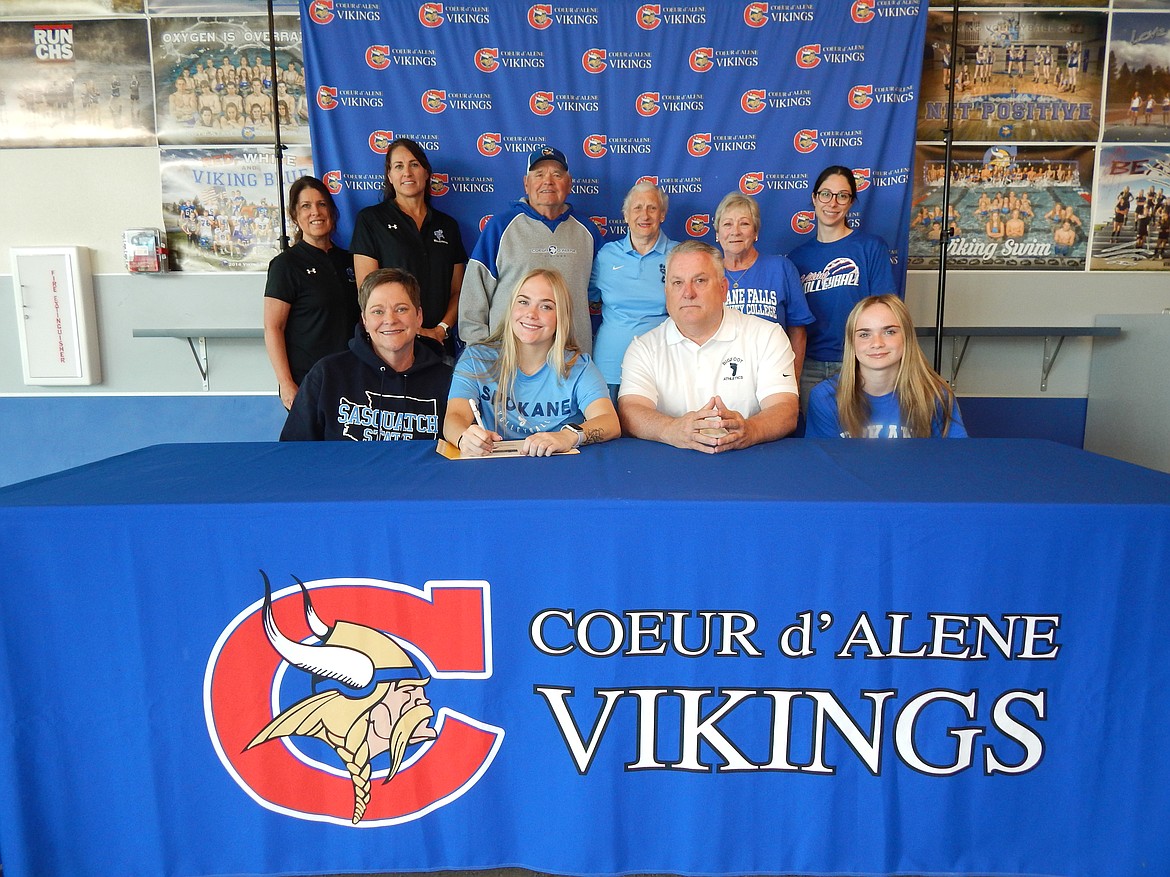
x: 326, y: 97
x: 308, y: 710
x: 434, y: 100
x: 439, y: 188
x: 699, y: 144
x: 488, y: 143
x: 861, y: 175
x: 431, y: 14
x: 860, y: 96
x: 753, y: 100
x: 803, y: 221
x: 698, y: 224
x: 594, y: 145
x: 808, y: 57
x: 648, y: 103
x: 332, y: 181
x: 541, y: 102
x: 751, y: 183
x: 487, y: 59
x: 540, y: 16
x: 805, y: 140
x: 321, y: 11
x: 380, y: 141
x: 649, y: 16
x: 700, y: 60
x: 594, y: 60
x: 378, y: 57
x: 755, y: 14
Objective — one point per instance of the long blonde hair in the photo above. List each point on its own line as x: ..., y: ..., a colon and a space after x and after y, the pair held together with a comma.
x: 561, y: 356
x: 923, y: 396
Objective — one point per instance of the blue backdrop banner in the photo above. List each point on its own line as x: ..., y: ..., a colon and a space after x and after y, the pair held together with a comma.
x: 705, y: 98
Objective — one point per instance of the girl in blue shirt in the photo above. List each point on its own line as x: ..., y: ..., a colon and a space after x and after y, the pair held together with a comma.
x: 885, y: 389
x: 529, y: 381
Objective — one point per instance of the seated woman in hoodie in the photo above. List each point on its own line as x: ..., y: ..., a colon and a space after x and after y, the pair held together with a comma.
x: 390, y: 384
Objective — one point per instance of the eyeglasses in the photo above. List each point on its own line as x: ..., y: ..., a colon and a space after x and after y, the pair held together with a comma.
x: 825, y: 196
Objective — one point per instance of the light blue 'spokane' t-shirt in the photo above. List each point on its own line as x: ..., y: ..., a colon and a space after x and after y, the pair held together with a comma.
x: 541, y: 402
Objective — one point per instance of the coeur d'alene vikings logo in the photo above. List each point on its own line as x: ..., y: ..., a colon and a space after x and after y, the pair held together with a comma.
x: 310, y: 700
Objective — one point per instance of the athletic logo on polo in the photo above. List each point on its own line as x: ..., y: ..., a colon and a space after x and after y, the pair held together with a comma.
x: 755, y: 14
x: 300, y: 675
x: 378, y: 57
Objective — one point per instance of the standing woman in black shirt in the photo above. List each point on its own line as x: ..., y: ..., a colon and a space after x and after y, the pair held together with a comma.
x: 406, y: 232
x: 310, y: 301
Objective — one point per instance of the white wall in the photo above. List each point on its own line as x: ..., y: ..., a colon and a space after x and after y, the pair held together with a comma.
x: 87, y: 197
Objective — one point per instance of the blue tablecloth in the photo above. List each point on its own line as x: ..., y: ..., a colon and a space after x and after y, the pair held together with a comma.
x: 804, y: 658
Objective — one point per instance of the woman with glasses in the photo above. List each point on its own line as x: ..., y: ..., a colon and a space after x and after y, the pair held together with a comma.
x: 838, y: 268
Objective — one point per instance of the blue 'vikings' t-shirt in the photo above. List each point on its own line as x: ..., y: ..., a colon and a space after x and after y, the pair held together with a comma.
x: 885, y: 416
x: 542, y: 402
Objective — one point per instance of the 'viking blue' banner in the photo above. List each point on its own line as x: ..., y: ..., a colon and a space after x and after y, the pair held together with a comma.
x: 815, y: 658
x: 705, y: 98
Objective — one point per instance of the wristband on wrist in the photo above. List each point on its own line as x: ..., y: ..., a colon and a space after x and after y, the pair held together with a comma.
x: 577, y: 431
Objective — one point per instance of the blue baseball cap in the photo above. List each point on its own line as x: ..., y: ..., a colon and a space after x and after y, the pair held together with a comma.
x: 547, y: 153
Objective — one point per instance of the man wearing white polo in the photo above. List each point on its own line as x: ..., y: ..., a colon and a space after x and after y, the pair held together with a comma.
x: 709, y: 378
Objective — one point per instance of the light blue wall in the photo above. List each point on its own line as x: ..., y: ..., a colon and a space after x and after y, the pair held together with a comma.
x: 44, y: 434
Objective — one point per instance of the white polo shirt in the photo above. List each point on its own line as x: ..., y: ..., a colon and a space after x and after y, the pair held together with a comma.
x: 744, y: 362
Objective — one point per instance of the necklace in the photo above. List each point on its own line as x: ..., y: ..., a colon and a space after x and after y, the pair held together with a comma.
x: 736, y: 280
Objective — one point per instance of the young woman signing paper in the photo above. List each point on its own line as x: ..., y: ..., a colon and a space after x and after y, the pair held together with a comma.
x: 529, y: 381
